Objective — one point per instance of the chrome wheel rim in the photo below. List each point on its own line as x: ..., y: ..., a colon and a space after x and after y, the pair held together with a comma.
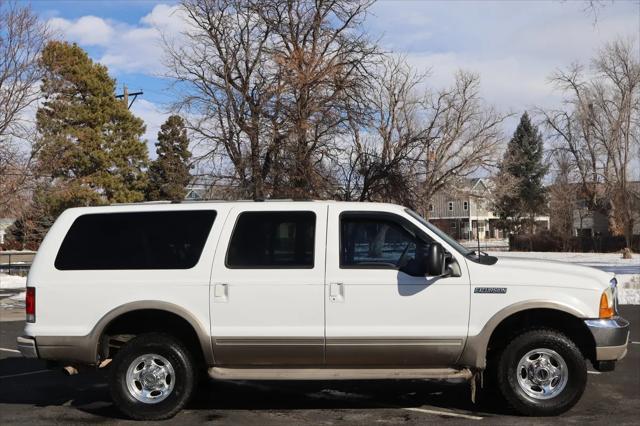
x: 542, y: 374
x: 150, y: 378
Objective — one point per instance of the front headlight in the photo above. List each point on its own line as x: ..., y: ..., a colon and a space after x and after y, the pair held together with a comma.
x: 609, y: 300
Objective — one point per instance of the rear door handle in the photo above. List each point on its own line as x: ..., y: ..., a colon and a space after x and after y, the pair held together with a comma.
x: 336, y: 292
x: 221, y: 293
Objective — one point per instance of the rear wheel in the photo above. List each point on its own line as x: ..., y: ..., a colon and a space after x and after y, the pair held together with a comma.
x: 541, y: 373
x: 152, y: 377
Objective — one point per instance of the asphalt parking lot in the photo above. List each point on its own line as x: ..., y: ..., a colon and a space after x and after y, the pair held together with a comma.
x: 31, y: 394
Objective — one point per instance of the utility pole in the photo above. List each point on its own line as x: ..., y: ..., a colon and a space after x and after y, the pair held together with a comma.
x: 125, y: 96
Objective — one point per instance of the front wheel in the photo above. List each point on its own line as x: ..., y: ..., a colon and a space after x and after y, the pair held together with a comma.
x: 152, y: 377
x: 541, y: 373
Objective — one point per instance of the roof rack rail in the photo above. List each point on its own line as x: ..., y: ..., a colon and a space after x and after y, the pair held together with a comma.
x: 141, y: 202
x: 160, y: 202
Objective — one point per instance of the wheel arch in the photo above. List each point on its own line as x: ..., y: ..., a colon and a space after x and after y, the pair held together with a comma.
x: 542, y: 312
x: 147, y: 309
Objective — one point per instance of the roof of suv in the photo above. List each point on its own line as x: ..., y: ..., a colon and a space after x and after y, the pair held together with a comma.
x: 226, y: 204
x: 198, y: 202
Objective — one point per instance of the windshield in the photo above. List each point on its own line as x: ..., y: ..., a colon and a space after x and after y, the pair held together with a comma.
x: 453, y: 243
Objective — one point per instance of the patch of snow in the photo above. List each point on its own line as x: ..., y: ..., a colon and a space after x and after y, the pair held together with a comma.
x: 12, y: 281
x: 629, y: 292
x: 14, y: 301
x: 485, y: 244
x: 19, y: 297
x: 627, y: 270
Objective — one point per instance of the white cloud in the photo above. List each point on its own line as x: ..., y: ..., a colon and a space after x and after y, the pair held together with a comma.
x: 508, y: 82
x: 125, y: 48
x: 513, y: 46
x: 165, y: 17
x: 87, y: 30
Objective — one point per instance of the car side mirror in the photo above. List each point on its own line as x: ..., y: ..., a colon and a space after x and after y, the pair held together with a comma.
x: 435, y: 260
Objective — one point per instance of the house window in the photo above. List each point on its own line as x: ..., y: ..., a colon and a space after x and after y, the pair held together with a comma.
x: 430, y: 207
x: 465, y: 206
x: 450, y: 206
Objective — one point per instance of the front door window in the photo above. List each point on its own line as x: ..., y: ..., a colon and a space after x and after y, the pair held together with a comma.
x: 368, y: 242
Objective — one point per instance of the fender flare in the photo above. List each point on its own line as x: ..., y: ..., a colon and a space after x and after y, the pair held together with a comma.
x: 199, y: 328
x: 474, y: 353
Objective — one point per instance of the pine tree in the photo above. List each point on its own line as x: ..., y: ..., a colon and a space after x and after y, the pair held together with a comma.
x: 521, y: 194
x: 89, y: 143
x: 169, y: 173
x: 29, y: 229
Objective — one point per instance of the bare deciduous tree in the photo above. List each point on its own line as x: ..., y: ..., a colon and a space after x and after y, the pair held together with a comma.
x: 563, y: 199
x: 22, y: 37
x: 225, y: 83
x: 419, y: 142
x: 291, y: 99
x: 322, y: 60
x: 600, y: 129
x: 266, y: 85
x: 379, y: 159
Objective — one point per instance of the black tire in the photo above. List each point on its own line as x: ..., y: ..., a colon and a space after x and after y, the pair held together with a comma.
x: 184, y: 383
x: 507, y: 373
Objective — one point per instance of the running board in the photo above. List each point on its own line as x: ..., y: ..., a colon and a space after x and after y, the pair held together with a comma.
x: 225, y: 373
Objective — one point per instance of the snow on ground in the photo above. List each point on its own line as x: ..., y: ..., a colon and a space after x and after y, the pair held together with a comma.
x: 14, y: 302
x: 488, y: 244
x: 12, y: 282
x: 627, y: 270
x: 14, y: 287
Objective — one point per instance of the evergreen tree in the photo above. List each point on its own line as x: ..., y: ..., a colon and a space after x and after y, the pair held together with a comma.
x: 521, y: 194
x: 169, y: 173
x: 89, y: 143
x: 29, y: 229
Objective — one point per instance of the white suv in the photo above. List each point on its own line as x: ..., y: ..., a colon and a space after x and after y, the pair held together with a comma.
x: 308, y: 290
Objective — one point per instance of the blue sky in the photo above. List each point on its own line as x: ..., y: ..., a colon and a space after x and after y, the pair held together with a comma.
x: 513, y: 45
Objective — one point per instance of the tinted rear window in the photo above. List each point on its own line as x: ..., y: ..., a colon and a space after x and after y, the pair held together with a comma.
x: 268, y: 240
x: 144, y: 240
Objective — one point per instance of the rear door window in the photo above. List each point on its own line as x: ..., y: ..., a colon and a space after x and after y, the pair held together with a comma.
x: 273, y: 240
x: 135, y: 240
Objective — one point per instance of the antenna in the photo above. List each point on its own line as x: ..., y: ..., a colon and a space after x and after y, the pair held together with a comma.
x: 476, y: 198
x: 478, y: 230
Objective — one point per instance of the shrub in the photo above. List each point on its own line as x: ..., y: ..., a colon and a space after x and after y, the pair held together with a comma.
x: 547, y: 241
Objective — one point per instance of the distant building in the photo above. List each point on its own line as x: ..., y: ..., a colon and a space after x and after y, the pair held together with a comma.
x: 465, y: 213
x: 588, y: 223
x: 198, y: 189
x: 591, y: 223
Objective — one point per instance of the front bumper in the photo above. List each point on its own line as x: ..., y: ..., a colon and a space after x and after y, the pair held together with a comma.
x: 27, y: 346
x: 611, y: 337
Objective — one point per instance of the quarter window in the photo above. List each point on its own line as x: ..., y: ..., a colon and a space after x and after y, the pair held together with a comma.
x: 272, y: 240
x: 139, y: 240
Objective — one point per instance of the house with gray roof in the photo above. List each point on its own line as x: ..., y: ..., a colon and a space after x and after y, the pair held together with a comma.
x: 465, y: 212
